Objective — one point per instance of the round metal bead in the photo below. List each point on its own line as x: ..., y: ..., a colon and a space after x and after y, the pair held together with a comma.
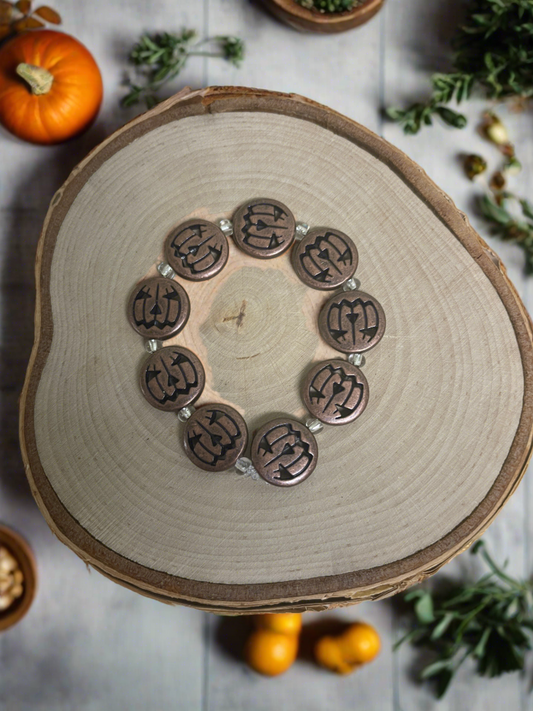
x: 172, y: 378
x: 158, y: 308
x: 335, y: 391
x: 352, y: 322
x: 264, y: 228
x: 325, y: 258
x: 284, y: 452
x: 215, y: 437
x: 197, y: 249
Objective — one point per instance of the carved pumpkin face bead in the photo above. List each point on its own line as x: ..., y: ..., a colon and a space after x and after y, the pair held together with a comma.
x: 172, y: 378
x: 158, y: 308
x: 215, y: 437
x: 197, y: 249
x: 335, y: 391
x: 264, y: 228
x: 325, y: 258
x: 284, y: 452
x: 352, y: 322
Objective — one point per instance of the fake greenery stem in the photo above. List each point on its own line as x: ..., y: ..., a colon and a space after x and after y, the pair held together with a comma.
x: 159, y: 58
x: 490, y: 621
x: 40, y: 80
x: 511, y: 220
x: 492, y: 54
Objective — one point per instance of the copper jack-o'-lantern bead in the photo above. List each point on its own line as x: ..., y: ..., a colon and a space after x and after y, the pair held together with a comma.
x: 158, y: 308
x: 335, y: 391
x: 264, y: 228
x: 352, y: 322
x: 172, y: 378
x: 325, y: 258
x: 284, y: 452
x: 215, y: 436
x: 197, y: 249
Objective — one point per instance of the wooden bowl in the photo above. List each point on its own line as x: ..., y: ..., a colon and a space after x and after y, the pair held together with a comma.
x: 440, y: 448
x: 20, y: 550
x: 306, y: 20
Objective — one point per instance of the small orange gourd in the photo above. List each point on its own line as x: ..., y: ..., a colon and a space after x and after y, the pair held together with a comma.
x: 357, y: 645
x: 283, y: 622
x: 271, y: 653
x: 50, y: 87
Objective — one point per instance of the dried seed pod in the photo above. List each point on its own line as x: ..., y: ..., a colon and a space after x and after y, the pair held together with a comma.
x: 48, y: 14
x: 497, y: 182
x: 474, y: 165
x: 494, y: 129
x: 23, y: 5
x: 7, y: 12
x: 513, y: 166
x: 28, y: 23
x: 508, y: 150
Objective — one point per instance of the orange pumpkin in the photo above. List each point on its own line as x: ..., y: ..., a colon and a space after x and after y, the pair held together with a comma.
x: 50, y: 87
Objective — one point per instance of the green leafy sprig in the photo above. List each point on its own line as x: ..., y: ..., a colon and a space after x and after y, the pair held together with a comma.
x: 493, y: 52
x: 509, y: 227
x: 159, y: 58
x: 490, y: 621
x: 329, y: 5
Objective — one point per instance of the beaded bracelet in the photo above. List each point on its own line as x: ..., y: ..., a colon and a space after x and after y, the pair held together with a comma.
x: 284, y: 451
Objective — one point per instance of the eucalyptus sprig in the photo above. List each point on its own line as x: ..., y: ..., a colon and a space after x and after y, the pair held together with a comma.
x: 507, y: 224
x: 490, y: 621
x: 493, y: 54
x: 158, y: 58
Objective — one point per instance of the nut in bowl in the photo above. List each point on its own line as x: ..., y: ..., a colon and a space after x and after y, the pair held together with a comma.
x: 18, y: 577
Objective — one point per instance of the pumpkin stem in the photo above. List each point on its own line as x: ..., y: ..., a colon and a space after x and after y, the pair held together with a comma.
x: 39, y: 79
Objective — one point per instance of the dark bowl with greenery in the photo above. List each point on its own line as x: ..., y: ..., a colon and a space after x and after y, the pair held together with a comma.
x: 324, y: 16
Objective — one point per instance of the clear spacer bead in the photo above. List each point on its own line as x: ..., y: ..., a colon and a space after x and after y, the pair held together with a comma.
x: 314, y: 425
x: 185, y: 413
x: 357, y: 359
x: 351, y: 285
x: 302, y: 228
x: 243, y: 464
x: 226, y: 226
x: 246, y: 468
x: 153, y: 345
x: 166, y: 270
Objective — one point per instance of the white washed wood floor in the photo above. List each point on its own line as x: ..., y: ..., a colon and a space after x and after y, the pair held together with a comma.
x: 90, y: 645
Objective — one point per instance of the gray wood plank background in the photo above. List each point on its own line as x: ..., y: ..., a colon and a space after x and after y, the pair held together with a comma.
x: 89, y: 645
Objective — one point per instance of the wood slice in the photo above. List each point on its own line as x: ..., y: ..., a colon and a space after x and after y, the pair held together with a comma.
x: 445, y: 438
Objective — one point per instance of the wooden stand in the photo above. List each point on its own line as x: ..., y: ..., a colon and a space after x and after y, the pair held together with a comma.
x: 444, y: 440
